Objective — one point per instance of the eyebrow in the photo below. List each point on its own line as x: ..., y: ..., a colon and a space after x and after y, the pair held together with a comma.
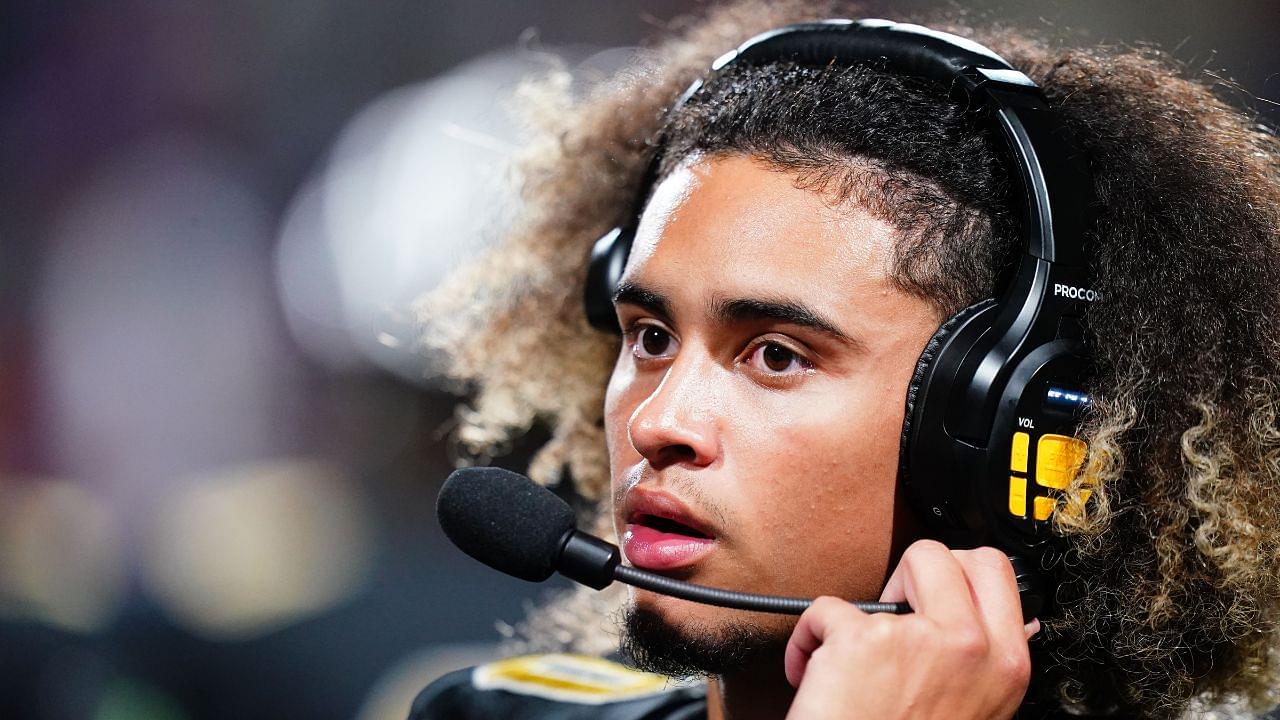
x: 739, y: 310
x: 642, y: 297
x: 782, y: 310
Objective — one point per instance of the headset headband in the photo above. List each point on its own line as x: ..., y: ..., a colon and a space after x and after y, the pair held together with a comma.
x: 1050, y: 172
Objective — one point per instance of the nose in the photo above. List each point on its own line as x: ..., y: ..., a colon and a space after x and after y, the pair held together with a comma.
x: 676, y: 423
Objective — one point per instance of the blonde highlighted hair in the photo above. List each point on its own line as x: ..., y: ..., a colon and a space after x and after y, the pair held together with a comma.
x: 1171, y: 596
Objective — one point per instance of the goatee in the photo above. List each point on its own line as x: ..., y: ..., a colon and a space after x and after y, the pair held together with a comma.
x: 650, y: 643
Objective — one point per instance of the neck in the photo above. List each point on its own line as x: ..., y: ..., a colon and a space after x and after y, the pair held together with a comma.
x: 757, y: 693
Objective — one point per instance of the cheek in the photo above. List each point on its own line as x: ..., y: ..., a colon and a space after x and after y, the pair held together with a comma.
x: 828, y: 432
x: 618, y: 382
x: 617, y: 408
x: 624, y: 393
x: 829, y: 475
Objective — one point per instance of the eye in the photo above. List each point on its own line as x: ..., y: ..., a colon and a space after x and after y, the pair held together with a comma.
x: 775, y: 358
x: 651, y: 342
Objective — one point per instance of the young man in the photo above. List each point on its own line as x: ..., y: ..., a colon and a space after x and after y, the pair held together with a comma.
x: 808, y: 231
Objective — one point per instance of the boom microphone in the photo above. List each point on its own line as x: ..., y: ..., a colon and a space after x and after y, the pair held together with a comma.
x: 514, y: 525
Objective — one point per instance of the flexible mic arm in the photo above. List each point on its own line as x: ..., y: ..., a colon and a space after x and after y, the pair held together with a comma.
x: 534, y: 537
x: 595, y: 563
x: 518, y: 527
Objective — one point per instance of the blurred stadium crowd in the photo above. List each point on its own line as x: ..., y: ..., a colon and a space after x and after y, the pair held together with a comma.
x: 219, y: 448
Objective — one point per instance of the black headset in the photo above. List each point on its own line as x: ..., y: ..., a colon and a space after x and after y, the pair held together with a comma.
x: 987, y: 445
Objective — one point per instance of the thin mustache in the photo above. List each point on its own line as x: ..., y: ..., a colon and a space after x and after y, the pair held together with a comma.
x: 686, y: 488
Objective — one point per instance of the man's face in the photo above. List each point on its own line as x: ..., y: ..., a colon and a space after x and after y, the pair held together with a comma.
x: 755, y: 410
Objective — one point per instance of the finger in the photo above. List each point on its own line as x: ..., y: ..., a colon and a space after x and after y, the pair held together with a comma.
x: 1031, y: 628
x: 995, y: 593
x: 932, y: 581
x: 815, y: 626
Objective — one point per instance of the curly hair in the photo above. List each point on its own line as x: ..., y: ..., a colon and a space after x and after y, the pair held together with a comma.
x: 1172, y: 596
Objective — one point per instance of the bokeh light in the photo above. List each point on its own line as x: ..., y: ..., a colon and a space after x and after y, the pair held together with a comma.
x: 412, y: 187
x: 62, y: 556
x: 219, y: 447
x: 256, y: 548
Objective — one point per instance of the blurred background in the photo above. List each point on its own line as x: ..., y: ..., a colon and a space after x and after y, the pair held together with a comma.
x: 219, y: 448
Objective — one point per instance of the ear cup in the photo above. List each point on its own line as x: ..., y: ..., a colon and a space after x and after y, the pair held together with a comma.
x: 927, y: 358
x: 604, y: 271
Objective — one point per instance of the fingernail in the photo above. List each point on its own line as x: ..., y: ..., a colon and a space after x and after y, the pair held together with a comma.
x: 1031, y: 628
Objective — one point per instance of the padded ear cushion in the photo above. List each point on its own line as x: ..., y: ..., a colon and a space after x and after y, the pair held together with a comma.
x: 926, y: 360
x: 604, y: 271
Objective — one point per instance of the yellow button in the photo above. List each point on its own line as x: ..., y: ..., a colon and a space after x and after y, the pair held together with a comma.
x: 1044, y: 507
x: 1018, y: 496
x: 1018, y: 460
x: 1058, y: 459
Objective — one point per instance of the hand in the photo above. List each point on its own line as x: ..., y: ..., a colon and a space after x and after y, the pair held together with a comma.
x: 961, y: 654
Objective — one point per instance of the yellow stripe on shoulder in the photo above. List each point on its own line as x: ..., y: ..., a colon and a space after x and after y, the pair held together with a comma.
x: 569, y: 678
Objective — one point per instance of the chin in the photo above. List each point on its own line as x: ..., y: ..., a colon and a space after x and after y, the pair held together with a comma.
x: 681, y: 639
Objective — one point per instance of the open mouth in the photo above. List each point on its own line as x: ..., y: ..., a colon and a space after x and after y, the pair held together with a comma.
x: 663, y: 534
x: 669, y: 526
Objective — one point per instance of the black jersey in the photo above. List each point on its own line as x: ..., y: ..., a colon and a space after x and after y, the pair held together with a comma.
x: 576, y: 687
x: 558, y: 687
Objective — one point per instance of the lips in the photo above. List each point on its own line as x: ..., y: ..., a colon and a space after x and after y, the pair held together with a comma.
x: 662, y: 533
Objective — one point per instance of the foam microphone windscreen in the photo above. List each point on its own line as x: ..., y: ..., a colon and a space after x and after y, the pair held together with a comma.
x: 504, y: 520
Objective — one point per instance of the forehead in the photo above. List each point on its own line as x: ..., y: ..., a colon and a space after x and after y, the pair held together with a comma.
x: 733, y: 225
